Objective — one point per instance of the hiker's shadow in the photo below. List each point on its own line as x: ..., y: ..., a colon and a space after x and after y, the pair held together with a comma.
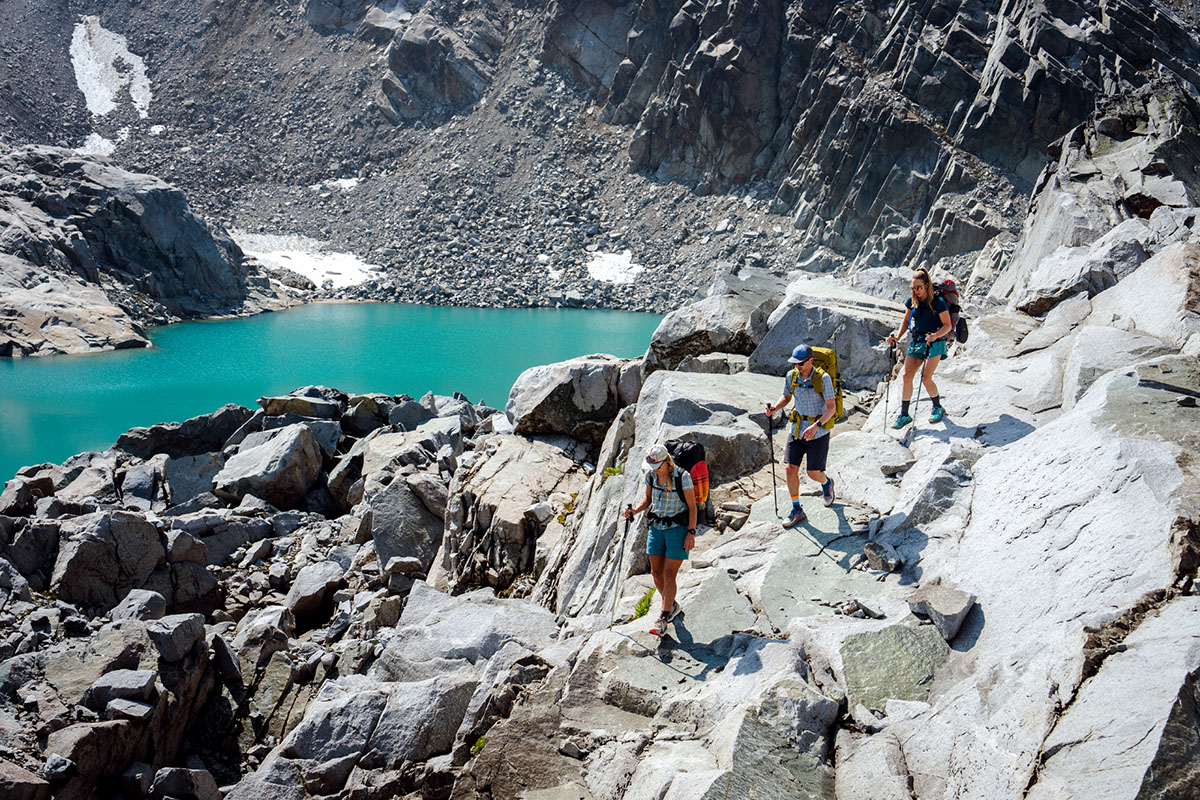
x: 715, y: 655
x: 841, y: 545
x: 1006, y: 430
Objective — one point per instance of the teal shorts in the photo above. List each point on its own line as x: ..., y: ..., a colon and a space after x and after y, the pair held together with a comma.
x: 918, y: 349
x: 668, y: 542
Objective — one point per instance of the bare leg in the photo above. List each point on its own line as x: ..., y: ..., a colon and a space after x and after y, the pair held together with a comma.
x: 911, y: 365
x: 656, y: 571
x: 817, y: 475
x: 928, y: 383
x: 670, y: 572
x: 793, y: 480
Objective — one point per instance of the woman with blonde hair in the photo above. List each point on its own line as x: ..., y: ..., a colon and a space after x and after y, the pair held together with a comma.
x: 929, y: 316
x: 671, y: 499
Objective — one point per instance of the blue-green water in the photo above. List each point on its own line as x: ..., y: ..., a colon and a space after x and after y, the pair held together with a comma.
x: 52, y: 408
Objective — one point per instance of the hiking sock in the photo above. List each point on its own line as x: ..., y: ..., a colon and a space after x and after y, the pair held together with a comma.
x: 796, y: 502
x: 826, y: 486
x: 937, y: 401
x: 904, y: 407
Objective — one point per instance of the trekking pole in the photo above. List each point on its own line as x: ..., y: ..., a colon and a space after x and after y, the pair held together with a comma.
x: 924, y: 361
x: 612, y: 616
x: 887, y: 385
x: 774, y: 480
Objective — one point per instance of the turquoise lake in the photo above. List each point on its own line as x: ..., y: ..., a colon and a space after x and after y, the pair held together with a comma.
x: 52, y: 408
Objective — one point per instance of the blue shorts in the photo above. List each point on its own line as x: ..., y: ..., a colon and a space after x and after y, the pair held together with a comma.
x: 667, y: 541
x: 918, y: 349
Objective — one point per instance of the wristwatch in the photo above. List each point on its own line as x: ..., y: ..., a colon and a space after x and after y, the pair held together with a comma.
x: 691, y: 532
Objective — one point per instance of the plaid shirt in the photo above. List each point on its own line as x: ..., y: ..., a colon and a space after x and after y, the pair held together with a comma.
x: 665, y: 501
x: 806, y: 401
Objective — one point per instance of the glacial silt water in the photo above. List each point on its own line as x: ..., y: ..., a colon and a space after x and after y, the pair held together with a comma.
x: 52, y: 408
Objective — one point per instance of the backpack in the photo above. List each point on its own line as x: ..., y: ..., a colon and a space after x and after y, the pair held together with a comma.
x: 824, y: 363
x: 948, y: 291
x: 690, y: 456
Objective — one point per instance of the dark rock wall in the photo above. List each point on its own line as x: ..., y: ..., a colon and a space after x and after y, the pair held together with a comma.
x: 890, y: 133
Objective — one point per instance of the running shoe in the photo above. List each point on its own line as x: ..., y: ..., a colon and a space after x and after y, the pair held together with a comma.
x: 660, y: 627
x: 901, y: 421
x: 795, y: 518
x: 938, y: 413
x: 675, y: 609
x: 827, y: 493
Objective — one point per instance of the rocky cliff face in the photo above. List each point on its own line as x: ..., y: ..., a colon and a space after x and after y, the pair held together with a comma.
x: 92, y: 253
x: 499, y: 145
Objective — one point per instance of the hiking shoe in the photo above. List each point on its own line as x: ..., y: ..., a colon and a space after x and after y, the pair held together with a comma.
x: 660, y: 627
x: 827, y: 493
x: 675, y: 609
x: 795, y: 518
x: 938, y: 413
x: 901, y: 421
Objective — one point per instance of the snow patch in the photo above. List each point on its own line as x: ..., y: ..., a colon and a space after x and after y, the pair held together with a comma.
x: 307, y: 257
x: 158, y: 130
x: 345, y: 184
x: 96, y: 145
x: 104, y: 67
x: 614, y: 267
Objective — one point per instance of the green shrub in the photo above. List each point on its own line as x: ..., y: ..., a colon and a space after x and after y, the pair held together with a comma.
x: 643, y: 605
x: 479, y: 743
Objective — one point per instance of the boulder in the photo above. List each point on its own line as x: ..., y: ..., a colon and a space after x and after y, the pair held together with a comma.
x: 490, y: 538
x: 21, y: 493
x: 260, y: 634
x: 408, y: 414
x: 124, y: 684
x: 578, y: 398
x: 824, y: 313
x: 401, y: 525
x: 176, y: 635
x: 186, y: 784
x: 310, y: 401
x: 1097, y: 350
x: 99, y: 751
x: 1159, y: 298
x: 196, y: 436
x: 1071, y: 270
x: 731, y: 319
x: 104, y: 555
x: 20, y: 784
x: 312, y: 586
x: 897, y: 662
x: 438, y: 632
x: 280, y: 471
x: 140, y: 604
x: 944, y: 606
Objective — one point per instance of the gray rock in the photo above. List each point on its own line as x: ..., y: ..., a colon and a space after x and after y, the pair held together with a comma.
x: 261, y: 633
x: 20, y: 784
x: 732, y: 319
x: 182, y: 546
x: 141, y: 604
x: 279, y: 471
x: 943, y: 605
x: 409, y: 413
x: 310, y: 404
x: 128, y: 709
x: 103, y: 556
x: 182, y: 440
x: 20, y: 494
x: 311, y: 587
x: 186, y: 784
x: 822, y: 312
x: 897, y: 662
x: 882, y: 556
x: 12, y: 584
x: 176, y: 635
x: 578, y: 398
x: 401, y: 525
x: 123, y: 684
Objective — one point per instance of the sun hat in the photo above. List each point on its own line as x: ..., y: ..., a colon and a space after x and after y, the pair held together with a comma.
x: 801, y: 354
x: 655, y: 456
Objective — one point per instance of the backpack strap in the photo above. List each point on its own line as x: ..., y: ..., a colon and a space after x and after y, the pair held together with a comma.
x: 818, y: 386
